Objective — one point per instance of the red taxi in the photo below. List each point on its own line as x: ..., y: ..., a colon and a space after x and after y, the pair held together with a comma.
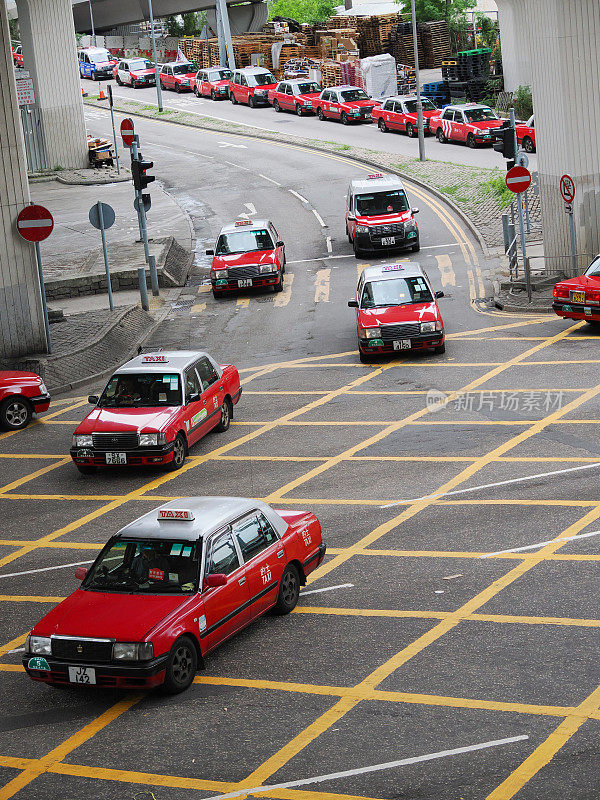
x: 579, y: 298
x: 135, y: 72
x: 170, y: 587
x: 526, y: 135
x: 298, y: 96
x: 345, y: 103
x: 396, y: 309
x: 17, y: 56
x: 154, y: 408
x: 378, y: 215
x: 21, y: 394
x: 470, y: 123
x: 400, y: 114
x: 177, y: 76
x: 251, y: 85
x: 212, y: 82
x: 248, y: 254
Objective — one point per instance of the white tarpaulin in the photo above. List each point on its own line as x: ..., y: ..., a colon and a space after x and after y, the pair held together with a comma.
x: 379, y: 75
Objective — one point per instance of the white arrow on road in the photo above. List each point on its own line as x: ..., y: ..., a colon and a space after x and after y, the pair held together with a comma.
x: 231, y: 144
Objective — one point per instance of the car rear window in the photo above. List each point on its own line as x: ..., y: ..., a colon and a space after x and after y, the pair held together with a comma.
x: 395, y: 292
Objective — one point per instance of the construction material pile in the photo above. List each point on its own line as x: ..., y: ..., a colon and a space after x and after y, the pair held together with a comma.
x: 466, y: 76
x: 433, y: 43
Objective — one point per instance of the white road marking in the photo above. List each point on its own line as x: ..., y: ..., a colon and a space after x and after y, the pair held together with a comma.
x: 327, y: 589
x: 260, y: 175
x: 45, y: 569
x: 542, y: 544
x: 319, y: 218
x: 233, y: 164
x: 375, y: 768
x: 299, y: 196
x: 231, y: 144
x: 251, y: 208
x: 492, y: 485
x: 323, y: 258
x: 329, y: 248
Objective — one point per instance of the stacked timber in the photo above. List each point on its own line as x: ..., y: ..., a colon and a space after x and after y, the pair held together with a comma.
x: 435, y: 40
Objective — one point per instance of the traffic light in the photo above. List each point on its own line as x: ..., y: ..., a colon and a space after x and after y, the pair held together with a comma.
x: 505, y: 140
x: 139, y: 166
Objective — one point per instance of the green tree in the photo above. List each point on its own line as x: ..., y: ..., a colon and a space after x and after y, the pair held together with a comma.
x: 174, y: 26
x: 303, y: 10
x: 431, y: 10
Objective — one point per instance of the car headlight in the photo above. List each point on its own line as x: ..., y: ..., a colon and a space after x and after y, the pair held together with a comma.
x: 41, y: 645
x: 430, y: 327
x: 410, y: 226
x: 83, y: 440
x: 267, y: 268
x: 185, y: 83
x: 362, y: 228
x: 370, y: 333
x: 356, y: 112
x: 308, y: 104
x: 43, y: 389
x: 152, y: 439
x: 133, y: 651
x: 220, y: 273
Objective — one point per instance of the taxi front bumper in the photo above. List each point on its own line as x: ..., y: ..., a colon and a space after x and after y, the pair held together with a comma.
x: 420, y: 342
x: 233, y: 285
x: 373, y: 240
x: 138, y: 457
x: 143, y: 674
x: 40, y: 403
x: 569, y: 310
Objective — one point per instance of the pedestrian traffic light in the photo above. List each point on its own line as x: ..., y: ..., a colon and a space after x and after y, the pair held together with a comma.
x: 505, y: 140
x: 139, y: 166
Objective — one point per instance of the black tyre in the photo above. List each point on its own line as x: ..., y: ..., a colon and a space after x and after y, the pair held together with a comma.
x: 299, y: 111
x: 365, y: 358
x: 251, y: 102
x: 86, y: 469
x: 410, y: 131
x: 440, y: 350
x: 276, y: 105
x: 213, y: 95
x: 119, y: 81
x: 357, y: 251
x: 289, y: 590
x: 181, y: 666
x: 196, y: 92
x: 471, y: 141
x: 226, y: 415
x: 344, y: 118
x: 320, y: 114
x: 217, y: 295
x: 179, y: 453
x: 93, y: 75
x: 382, y: 126
x: 15, y: 413
x: 278, y: 287
x: 528, y: 145
x: 441, y: 136
x: 232, y: 98
x: 416, y: 247
x: 178, y: 88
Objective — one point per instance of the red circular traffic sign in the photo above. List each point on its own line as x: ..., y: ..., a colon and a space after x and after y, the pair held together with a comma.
x: 518, y: 179
x: 35, y: 223
x: 127, y: 132
x: 567, y: 188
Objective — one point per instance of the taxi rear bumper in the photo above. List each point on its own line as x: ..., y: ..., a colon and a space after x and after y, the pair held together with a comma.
x: 569, y: 310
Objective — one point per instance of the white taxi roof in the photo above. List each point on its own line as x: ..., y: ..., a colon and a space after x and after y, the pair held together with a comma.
x: 209, y: 514
x: 245, y: 225
x: 163, y: 361
x: 407, y: 97
x: 408, y: 269
x: 94, y: 50
x: 470, y: 106
x: 253, y: 70
x: 377, y: 182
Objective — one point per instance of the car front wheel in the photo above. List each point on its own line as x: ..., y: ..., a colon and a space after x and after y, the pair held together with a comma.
x: 528, y: 145
x: 471, y: 141
x: 299, y: 111
x: 441, y: 137
x: 410, y: 131
x: 179, y: 453
x: 181, y: 666
x: 15, y: 413
x: 276, y: 106
x: 320, y: 114
x: 289, y: 590
x: 382, y: 126
x: 344, y: 118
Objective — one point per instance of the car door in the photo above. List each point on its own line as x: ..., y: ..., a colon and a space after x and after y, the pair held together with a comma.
x: 335, y: 106
x: 289, y: 98
x: 225, y: 607
x: 213, y: 392
x: 280, y: 251
x: 264, y: 557
x: 459, y: 127
x: 447, y: 120
x: 196, y: 412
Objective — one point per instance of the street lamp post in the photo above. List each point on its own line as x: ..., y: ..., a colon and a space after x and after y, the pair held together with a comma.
x: 156, y: 70
x: 418, y: 82
x: 92, y: 21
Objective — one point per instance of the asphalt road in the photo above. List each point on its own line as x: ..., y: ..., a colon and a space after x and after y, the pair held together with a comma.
x: 360, y: 135
x: 447, y: 648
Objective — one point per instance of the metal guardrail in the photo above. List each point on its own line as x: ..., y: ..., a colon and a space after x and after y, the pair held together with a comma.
x: 562, y: 265
x: 33, y: 134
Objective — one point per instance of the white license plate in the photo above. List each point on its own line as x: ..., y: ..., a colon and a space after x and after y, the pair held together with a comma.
x: 402, y: 344
x: 82, y: 675
x: 388, y: 240
x: 245, y: 282
x: 116, y: 458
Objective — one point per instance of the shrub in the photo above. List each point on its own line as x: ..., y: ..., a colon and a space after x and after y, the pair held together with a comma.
x: 523, y: 102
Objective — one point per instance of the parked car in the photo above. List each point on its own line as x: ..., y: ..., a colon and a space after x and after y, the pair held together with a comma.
x: 251, y: 85
x: 471, y: 123
x: 22, y: 394
x: 346, y: 104
x: 526, y: 135
x: 579, y: 298
x: 297, y: 95
x: 135, y: 72
x: 177, y: 76
x: 212, y: 82
x: 17, y: 56
x: 400, y: 114
x: 96, y: 63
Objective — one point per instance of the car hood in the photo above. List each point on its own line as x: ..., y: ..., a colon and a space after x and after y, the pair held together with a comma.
x: 244, y: 259
x: 384, y: 219
x: 426, y: 114
x: 186, y: 75
x: 107, y: 615
x: 126, y: 419
x: 138, y: 73
x: 224, y: 82
x: 412, y: 312
x: 103, y: 64
x: 11, y: 376
x: 310, y: 96
x: 487, y: 124
x: 266, y: 86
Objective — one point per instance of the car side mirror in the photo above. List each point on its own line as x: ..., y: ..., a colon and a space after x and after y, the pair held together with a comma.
x: 280, y: 244
x: 210, y: 252
x: 439, y: 294
x: 217, y: 579
x: 93, y: 399
x: 193, y: 398
x: 351, y: 218
x: 353, y: 303
x: 80, y: 573
x: 415, y: 210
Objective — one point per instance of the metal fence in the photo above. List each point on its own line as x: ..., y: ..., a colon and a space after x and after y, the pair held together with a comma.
x: 33, y: 133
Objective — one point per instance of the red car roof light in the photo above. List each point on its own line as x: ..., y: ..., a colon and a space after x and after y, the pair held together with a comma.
x: 243, y: 222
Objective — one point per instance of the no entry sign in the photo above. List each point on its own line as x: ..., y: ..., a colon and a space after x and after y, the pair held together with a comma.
x: 567, y: 188
x: 35, y: 223
x: 518, y: 179
x: 127, y: 132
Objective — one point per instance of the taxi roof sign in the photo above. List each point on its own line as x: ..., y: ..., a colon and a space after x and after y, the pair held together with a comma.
x: 176, y: 514
x: 375, y: 175
x: 243, y: 222
x: 392, y: 267
x: 155, y: 359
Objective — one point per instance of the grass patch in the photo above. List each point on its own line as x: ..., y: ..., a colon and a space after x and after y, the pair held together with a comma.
x: 455, y: 192
x: 497, y: 188
x: 342, y: 147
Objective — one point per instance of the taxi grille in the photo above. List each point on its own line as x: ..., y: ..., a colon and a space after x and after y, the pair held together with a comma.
x: 82, y: 649
x: 115, y: 441
x: 385, y: 230
x: 407, y: 331
x: 250, y: 271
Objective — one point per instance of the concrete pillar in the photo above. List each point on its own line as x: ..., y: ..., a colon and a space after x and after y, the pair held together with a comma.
x: 516, y: 48
x: 49, y: 52
x: 564, y: 35
x: 21, y: 319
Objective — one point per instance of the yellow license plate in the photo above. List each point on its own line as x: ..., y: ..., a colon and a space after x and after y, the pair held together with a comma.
x: 578, y: 297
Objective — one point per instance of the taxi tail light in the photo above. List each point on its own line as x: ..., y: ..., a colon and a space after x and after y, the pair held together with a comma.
x: 560, y: 290
x: 594, y: 295
x: 80, y: 573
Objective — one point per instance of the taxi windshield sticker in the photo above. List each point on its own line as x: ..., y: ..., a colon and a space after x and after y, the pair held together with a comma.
x: 186, y: 551
x: 176, y: 549
x: 169, y: 378
x: 156, y: 574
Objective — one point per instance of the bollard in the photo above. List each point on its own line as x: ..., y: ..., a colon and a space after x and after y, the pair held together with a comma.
x: 505, y: 233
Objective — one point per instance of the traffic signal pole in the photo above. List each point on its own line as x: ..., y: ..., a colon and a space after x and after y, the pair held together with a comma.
x: 141, y: 212
x: 520, y: 213
x: 143, y: 233
x: 420, y: 128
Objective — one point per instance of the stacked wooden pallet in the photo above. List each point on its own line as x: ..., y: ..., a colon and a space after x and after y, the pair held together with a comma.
x: 331, y: 73
x: 435, y: 39
x: 244, y: 47
x: 401, y: 45
x: 375, y: 33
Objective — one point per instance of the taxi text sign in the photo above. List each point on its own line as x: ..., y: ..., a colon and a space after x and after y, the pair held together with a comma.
x: 175, y: 513
x: 25, y: 93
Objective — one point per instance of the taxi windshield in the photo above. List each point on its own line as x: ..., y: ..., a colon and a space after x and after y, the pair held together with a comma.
x: 262, y: 79
x: 146, y: 566
x: 350, y: 95
x: 141, y: 64
x: 308, y: 88
x: 593, y: 271
x: 99, y: 58
x: 480, y: 115
x: 410, y: 106
x: 141, y: 390
x: 184, y: 69
x: 244, y: 242
x: 395, y: 292
x: 377, y: 203
x: 219, y: 75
